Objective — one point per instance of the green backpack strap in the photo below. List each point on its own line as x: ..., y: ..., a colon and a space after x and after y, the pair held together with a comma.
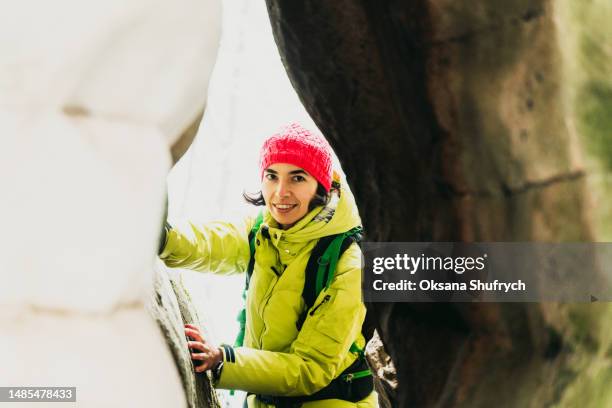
x: 323, y: 260
x: 252, y: 239
x: 242, y: 314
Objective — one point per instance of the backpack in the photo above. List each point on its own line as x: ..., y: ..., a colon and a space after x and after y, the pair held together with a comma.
x: 320, y: 271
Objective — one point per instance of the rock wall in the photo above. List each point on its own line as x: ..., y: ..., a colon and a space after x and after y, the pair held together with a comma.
x: 172, y: 308
x: 92, y: 97
x: 470, y: 121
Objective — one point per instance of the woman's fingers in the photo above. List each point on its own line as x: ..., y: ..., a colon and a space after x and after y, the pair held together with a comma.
x: 200, y: 350
x: 194, y: 334
x: 200, y: 356
x: 196, y: 345
x: 206, y: 359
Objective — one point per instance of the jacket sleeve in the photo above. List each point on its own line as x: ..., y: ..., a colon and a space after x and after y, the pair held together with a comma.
x: 216, y: 247
x: 318, y: 354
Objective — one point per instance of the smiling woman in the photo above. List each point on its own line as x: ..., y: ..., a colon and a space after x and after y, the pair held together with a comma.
x: 298, y: 346
x: 288, y: 191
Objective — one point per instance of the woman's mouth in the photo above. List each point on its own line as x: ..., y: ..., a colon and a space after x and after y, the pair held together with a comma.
x: 284, y: 208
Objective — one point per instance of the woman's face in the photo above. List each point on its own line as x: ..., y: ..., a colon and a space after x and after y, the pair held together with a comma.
x: 287, y: 191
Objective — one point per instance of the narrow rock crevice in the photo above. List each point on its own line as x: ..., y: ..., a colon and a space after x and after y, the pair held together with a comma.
x: 507, y: 191
x: 527, y: 17
x: 541, y: 184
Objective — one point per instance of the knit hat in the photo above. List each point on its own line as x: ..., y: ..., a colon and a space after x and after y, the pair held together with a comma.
x: 298, y: 146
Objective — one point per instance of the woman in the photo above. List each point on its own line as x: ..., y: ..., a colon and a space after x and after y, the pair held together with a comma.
x: 288, y: 353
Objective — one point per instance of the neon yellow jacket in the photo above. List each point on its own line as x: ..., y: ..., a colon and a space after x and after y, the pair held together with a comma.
x: 277, y: 358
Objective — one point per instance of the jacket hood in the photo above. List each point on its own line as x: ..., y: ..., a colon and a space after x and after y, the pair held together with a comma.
x: 339, y: 215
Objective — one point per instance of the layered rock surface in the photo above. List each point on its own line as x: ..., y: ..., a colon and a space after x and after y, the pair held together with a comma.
x: 470, y: 121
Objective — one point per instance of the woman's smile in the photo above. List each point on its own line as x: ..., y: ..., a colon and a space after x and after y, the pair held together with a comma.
x: 287, y: 191
x: 284, y: 208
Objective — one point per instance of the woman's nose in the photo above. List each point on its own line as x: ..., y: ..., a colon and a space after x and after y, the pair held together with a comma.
x: 282, y: 190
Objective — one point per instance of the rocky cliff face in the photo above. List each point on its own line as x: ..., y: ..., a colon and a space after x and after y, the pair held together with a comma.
x: 470, y: 121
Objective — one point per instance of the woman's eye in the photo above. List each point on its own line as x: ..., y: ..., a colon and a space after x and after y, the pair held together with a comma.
x: 270, y: 176
x: 299, y: 178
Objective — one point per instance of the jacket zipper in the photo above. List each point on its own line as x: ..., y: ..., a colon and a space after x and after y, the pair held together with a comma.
x: 325, y: 300
x: 264, y: 304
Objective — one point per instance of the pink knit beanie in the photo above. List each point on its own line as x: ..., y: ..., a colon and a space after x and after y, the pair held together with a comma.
x: 298, y: 146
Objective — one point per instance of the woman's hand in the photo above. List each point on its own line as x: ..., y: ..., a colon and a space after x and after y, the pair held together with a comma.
x: 201, y: 350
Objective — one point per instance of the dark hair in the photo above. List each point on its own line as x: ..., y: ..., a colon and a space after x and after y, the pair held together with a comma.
x: 321, y: 198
